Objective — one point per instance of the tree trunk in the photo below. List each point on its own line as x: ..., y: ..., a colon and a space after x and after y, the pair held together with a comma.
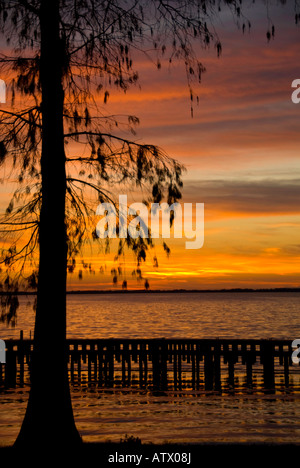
x: 49, y: 418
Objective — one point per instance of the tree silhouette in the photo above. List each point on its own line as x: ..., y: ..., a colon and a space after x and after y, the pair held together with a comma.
x: 61, y: 62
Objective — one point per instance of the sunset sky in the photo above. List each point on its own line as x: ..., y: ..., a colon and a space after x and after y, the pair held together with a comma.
x: 241, y: 152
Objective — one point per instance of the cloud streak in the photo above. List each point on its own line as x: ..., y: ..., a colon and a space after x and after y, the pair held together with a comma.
x: 247, y: 198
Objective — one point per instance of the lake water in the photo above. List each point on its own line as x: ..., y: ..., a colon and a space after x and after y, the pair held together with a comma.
x: 181, y: 315
x: 178, y: 416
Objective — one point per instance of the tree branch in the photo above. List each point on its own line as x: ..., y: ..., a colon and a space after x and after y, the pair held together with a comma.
x: 30, y: 7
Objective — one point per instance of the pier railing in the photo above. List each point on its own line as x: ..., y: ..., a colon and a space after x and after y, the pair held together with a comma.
x: 208, y: 364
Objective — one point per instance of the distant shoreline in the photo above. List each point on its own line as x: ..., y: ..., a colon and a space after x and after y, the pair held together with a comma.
x: 162, y: 291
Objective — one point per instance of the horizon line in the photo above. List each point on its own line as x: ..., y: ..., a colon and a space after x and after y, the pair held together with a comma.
x: 153, y: 291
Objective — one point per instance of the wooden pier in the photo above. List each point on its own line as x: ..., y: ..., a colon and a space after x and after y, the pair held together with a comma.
x: 208, y: 364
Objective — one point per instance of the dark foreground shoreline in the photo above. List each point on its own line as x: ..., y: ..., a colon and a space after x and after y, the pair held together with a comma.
x: 151, y: 455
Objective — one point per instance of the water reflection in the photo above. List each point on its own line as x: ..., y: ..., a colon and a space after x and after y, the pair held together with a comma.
x: 186, y: 416
x: 190, y: 315
x: 104, y: 414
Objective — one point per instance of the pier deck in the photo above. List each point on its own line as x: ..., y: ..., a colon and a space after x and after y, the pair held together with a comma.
x: 166, y: 363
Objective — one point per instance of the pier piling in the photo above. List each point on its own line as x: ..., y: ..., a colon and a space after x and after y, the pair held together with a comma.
x: 164, y: 363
